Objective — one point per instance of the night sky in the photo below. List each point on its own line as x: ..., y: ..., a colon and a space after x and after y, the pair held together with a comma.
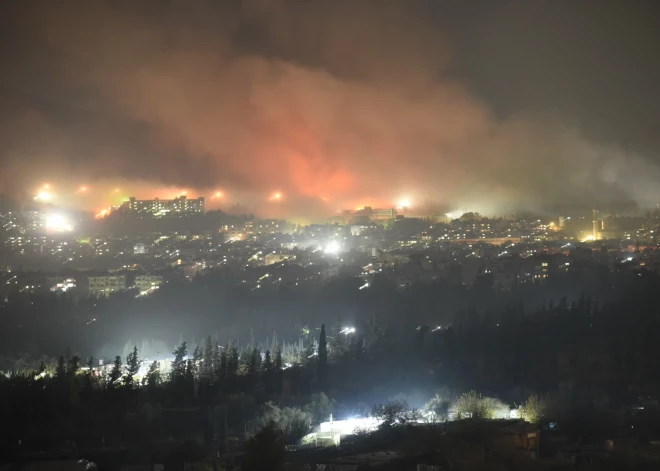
x: 491, y: 106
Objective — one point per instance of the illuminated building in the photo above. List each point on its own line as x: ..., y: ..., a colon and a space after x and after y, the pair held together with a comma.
x: 147, y: 283
x: 63, y: 286
x: 104, y: 285
x: 249, y: 228
x: 177, y: 207
x: 272, y: 258
x: 232, y: 233
x: 367, y: 214
x: 139, y: 249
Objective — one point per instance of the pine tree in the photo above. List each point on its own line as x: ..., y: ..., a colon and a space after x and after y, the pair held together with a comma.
x: 207, y: 359
x: 278, y: 358
x: 89, y: 374
x: 267, y: 364
x: 232, y: 361
x: 132, y: 366
x: 116, y: 371
x: 153, y: 376
x: 255, y: 361
x: 74, y: 366
x: 323, y: 353
x: 196, y: 362
x: 223, y: 364
x: 190, y: 371
x: 179, y: 363
x: 60, y: 371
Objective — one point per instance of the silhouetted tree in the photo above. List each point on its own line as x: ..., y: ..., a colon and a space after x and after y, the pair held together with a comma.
x: 196, y: 361
x: 216, y: 362
x: 255, y: 361
x: 207, y: 366
x: 179, y: 364
x: 278, y: 358
x: 74, y: 366
x: 116, y: 371
x: 323, y: 353
x: 132, y: 367
x: 267, y: 364
x: 153, y: 377
x: 60, y: 371
x: 223, y: 366
x: 232, y: 361
x: 266, y: 450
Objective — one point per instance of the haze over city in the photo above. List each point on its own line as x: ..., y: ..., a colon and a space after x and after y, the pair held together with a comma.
x: 333, y: 105
x: 323, y: 235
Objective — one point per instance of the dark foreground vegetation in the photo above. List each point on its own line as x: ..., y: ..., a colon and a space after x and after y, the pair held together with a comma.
x: 584, y: 365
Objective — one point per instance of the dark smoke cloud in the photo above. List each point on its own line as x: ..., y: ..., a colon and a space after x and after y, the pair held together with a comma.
x: 334, y: 104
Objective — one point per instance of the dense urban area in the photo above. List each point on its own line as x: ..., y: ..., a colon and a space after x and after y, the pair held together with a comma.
x: 379, y: 337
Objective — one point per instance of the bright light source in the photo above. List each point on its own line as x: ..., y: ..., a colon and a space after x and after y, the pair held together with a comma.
x: 332, y: 247
x: 404, y: 203
x: 58, y: 223
x: 276, y: 197
x: 366, y: 285
x: 216, y: 195
x: 82, y: 189
x: 347, y: 330
x: 43, y: 196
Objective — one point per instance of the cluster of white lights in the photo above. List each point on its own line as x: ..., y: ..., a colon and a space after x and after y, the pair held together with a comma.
x: 58, y: 223
x: 332, y: 247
